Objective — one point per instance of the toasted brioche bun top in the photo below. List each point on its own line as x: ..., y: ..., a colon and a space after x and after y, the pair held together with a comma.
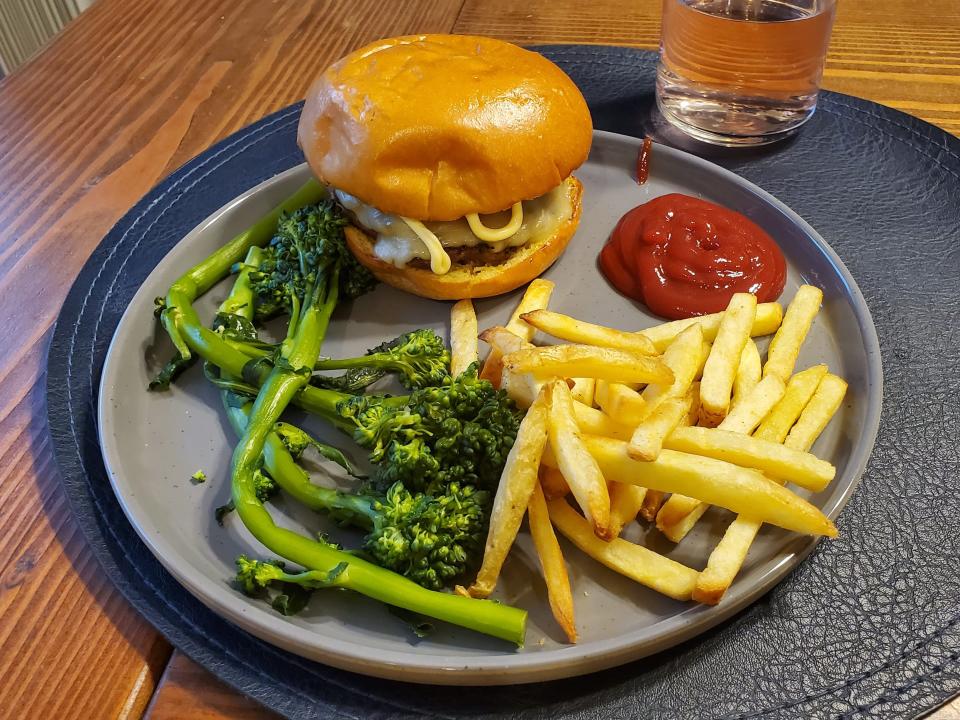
x: 435, y: 127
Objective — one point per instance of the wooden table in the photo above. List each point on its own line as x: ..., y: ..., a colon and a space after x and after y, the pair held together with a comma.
x: 125, y: 95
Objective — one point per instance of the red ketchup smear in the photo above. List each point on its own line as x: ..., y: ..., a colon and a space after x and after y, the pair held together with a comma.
x: 683, y: 256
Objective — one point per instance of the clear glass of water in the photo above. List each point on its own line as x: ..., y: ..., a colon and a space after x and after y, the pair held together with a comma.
x: 742, y: 72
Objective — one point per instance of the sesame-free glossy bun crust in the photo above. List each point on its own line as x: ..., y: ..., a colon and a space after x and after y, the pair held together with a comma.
x: 473, y: 281
x: 435, y: 127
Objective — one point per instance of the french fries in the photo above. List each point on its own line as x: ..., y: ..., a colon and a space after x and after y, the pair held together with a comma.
x: 728, y: 556
x: 721, y: 366
x: 620, y: 366
x: 799, y: 390
x: 748, y: 372
x: 463, y: 337
x: 517, y: 481
x: 775, y: 460
x: 584, y: 333
x: 552, y: 563
x: 634, y: 561
x: 536, y: 297
x: 647, y: 439
x: 619, y: 421
x: 713, y: 481
x: 578, y: 466
x: 785, y: 346
x: 767, y: 321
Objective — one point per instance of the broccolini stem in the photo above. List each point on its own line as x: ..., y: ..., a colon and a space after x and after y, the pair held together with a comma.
x: 178, y: 316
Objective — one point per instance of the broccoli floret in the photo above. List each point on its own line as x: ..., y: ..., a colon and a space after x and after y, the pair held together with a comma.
x: 199, y: 477
x: 419, y: 359
x: 291, y: 591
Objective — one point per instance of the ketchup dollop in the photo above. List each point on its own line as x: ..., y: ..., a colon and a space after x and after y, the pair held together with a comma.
x: 683, y: 256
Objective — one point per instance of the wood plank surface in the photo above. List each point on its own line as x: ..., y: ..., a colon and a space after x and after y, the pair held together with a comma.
x: 128, y: 93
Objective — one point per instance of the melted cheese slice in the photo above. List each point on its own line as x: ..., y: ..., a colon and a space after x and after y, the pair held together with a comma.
x: 400, y: 240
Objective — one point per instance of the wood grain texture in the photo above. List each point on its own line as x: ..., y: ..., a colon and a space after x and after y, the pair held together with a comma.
x: 131, y: 91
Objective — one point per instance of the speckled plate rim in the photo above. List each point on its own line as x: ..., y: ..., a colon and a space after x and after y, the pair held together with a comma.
x: 517, y: 668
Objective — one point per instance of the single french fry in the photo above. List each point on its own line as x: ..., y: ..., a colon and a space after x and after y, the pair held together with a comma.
x: 754, y: 406
x: 536, y: 297
x: 576, y: 331
x: 519, y: 476
x: 622, y: 403
x: 625, y: 503
x: 726, y: 560
x: 818, y: 412
x: 728, y: 556
x: 633, y: 561
x: 583, y: 389
x: 713, y: 481
x: 552, y: 563
x: 620, y: 366
x: 799, y: 390
x: 785, y: 346
x: 674, y: 511
x: 749, y: 372
x: 773, y: 459
x: 552, y: 481
x: 766, y: 322
x: 578, y: 466
x: 678, y: 530
x: 463, y: 337
x: 705, y: 349
x: 682, y: 356
x: 504, y: 341
x: 651, y: 504
x: 693, y: 396
x: 647, y: 439
x: 522, y: 388
x: 596, y: 422
x: 721, y: 367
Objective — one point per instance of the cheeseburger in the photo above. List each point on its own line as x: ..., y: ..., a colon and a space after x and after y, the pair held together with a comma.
x: 452, y: 155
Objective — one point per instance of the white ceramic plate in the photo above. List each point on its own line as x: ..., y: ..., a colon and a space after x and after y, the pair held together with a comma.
x: 153, y: 442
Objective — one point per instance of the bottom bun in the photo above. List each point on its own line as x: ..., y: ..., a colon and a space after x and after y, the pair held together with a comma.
x: 473, y: 281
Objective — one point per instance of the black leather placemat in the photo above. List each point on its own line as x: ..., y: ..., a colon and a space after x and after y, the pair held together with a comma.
x: 868, y: 626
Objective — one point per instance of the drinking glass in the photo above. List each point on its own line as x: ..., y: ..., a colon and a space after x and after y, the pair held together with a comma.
x: 742, y: 72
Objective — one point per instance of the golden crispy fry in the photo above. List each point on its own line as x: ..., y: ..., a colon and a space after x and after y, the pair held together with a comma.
x: 583, y: 389
x: 677, y: 531
x: 800, y: 389
x: 727, y: 558
x: 766, y: 322
x: 552, y: 563
x: 504, y: 341
x: 693, y: 413
x: 673, y: 513
x: 463, y: 337
x: 596, y: 422
x: 651, y: 504
x: 633, y: 561
x: 625, y: 503
x: 647, y: 439
x: 576, y: 331
x: 577, y: 465
x: 815, y: 416
x: 754, y: 406
x: 712, y: 481
x: 588, y: 361
x: 773, y: 459
x: 749, y: 372
x: 521, y: 387
x: 513, y: 494
x: 682, y: 356
x: 552, y: 481
x: 536, y: 297
x: 622, y: 403
x: 705, y: 349
x: 721, y: 366
x: 785, y: 346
